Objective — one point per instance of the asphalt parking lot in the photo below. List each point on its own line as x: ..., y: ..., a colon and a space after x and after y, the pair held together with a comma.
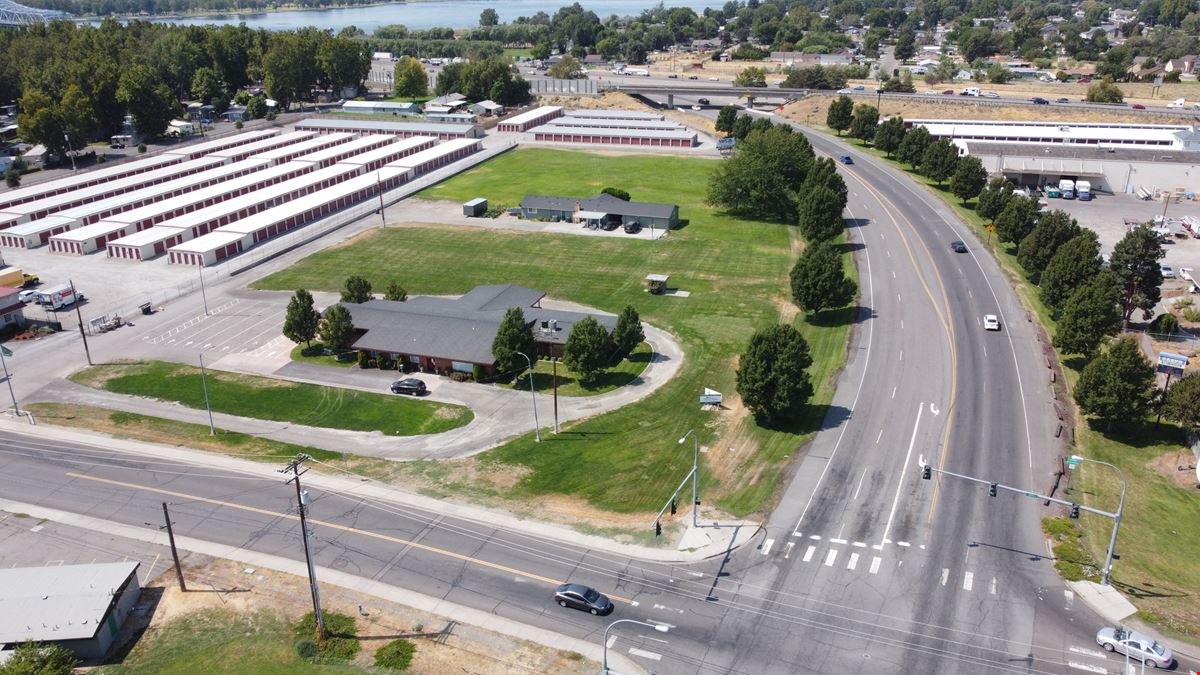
x: 1106, y: 214
x: 32, y: 542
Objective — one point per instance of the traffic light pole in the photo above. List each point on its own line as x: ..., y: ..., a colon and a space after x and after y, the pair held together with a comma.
x: 928, y: 470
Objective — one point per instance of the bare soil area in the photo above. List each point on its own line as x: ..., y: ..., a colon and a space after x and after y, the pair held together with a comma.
x: 1178, y: 467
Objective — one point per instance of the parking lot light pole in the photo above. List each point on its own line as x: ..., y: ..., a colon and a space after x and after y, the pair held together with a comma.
x: 1112, y: 543
x: 537, y: 428
x: 4, y: 351
x: 660, y: 627
x: 695, y: 474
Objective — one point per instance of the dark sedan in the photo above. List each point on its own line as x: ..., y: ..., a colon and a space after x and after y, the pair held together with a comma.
x: 584, y: 598
x: 958, y: 247
x: 411, y: 386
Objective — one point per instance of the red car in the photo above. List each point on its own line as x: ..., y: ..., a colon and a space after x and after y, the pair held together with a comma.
x: 1084, y: 80
x: 1137, y: 106
x: 948, y: 92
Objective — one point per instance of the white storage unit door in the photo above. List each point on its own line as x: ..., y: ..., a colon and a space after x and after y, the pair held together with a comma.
x: 463, y: 367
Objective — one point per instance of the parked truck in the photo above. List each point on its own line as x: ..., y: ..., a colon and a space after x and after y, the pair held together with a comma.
x: 57, y: 297
x: 1066, y: 188
x: 971, y: 91
x: 1083, y: 190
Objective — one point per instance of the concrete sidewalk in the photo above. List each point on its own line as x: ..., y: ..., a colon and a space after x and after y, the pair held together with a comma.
x: 1116, y: 609
x: 327, y: 575
x: 709, y: 542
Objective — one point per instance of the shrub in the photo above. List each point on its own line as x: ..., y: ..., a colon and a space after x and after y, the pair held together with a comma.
x: 141, y: 148
x: 387, y: 364
x: 1191, y: 314
x: 495, y: 211
x: 12, y: 178
x: 479, y: 374
x: 616, y: 192
x: 1185, y: 301
x: 460, y: 377
x: 395, y: 655
x: 307, y: 649
x: 102, y: 159
x: 342, y: 643
x: 364, y: 361
x: 237, y: 124
x: 1165, y: 324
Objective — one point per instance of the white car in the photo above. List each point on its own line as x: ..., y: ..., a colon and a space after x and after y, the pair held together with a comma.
x: 1136, y: 646
x: 714, y: 78
x: 990, y: 322
x: 27, y: 296
x: 1167, y: 271
x: 846, y: 90
x: 992, y: 94
x: 696, y: 107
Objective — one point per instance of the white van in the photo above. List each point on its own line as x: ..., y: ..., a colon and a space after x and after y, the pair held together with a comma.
x: 1177, y: 103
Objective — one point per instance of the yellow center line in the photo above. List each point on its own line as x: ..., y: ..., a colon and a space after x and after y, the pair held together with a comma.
x: 343, y: 528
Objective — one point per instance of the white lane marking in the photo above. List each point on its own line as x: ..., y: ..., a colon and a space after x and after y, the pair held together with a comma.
x: 859, y: 544
x: 893, y: 392
x: 830, y: 557
x: 905, y: 544
x: 970, y: 293
x: 901, y: 354
x: 893, y: 275
x: 903, y: 470
x: 889, y: 254
x: 696, y: 574
x: 898, y: 297
x: 809, y: 553
x: 1089, y: 668
x: 993, y: 589
x: 815, y: 537
x: 767, y: 546
x: 968, y: 581
x: 788, y: 553
x: 1095, y: 653
x: 837, y: 541
x: 634, y: 651
x: 864, y: 475
x: 853, y: 562
x: 877, y: 437
x: 876, y: 561
x: 1069, y: 596
x: 612, y: 641
x: 901, y: 324
x: 945, y: 575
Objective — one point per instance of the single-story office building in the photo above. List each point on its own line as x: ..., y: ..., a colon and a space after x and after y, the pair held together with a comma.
x: 603, y: 208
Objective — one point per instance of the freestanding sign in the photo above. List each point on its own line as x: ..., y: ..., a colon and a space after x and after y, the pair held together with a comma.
x: 1171, y: 363
x: 711, y: 397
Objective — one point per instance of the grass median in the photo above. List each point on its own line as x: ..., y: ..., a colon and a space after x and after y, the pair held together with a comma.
x: 278, y: 400
x: 736, y: 271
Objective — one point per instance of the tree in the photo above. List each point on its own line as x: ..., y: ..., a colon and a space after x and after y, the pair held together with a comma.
x: 616, y: 192
x: 587, y: 350
x: 912, y: 148
x: 994, y: 198
x: 148, y: 99
x: 865, y: 122
x: 1091, y: 313
x: 36, y: 658
x: 343, y: 62
x: 889, y: 135
x: 513, y: 338
x: 819, y: 280
x: 726, y: 118
x: 1073, y: 264
x: 1016, y: 220
x: 395, y: 292
x: 12, y: 178
x: 302, y: 319
x: 824, y: 173
x: 628, y: 333
x: 336, y: 328
x: 969, y: 178
x: 1118, y: 386
x: 741, y: 127
x: 1182, y: 401
x: 489, y: 17
x: 78, y: 119
x: 841, y: 114
x: 819, y: 214
x: 940, y: 160
x: 568, y: 68
x: 1135, y: 262
x: 1105, y: 91
x: 906, y: 44
x: 410, y: 78
x: 761, y: 177
x: 207, y: 87
x: 356, y: 289
x: 772, y: 376
x: 752, y: 76
x: 1053, y: 229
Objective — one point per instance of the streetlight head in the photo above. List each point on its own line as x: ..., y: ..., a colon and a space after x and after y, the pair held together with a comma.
x: 661, y: 627
x: 1075, y: 457
x: 681, y: 440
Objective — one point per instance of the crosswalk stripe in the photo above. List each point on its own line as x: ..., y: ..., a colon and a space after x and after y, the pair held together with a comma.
x: 830, y: 557
x: 1089, y: 668
x: 945, y: 575
x: 853, y: 561
x: 968, y: 581
x: 809, y: 553
x: 875, y: 562
x: 767, y: 546
x: 993, y: 590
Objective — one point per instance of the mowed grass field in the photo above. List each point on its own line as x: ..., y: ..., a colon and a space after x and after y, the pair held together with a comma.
x: 279, y: 400
x: 627, y: 460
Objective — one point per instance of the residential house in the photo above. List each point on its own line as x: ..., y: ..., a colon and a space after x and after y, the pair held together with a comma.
x: 452, y: 100
x: 707, y: 45
x: 1109, y: 31
x: 1049, y: 31
x: 603, y: 209
x: 1120, y: 17
x: 1184, y: 66
x: 443, y: 335
x: 594, y: 61
x: 12, y: 313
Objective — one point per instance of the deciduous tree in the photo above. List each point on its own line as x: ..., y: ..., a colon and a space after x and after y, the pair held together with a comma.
x: 302, y: 319
x: 819, y: 280
x: 628, y: 333
x: 148, y: 99
x: 752, y: 76
x: 1016, y: 220
x: 1091, y: 313
x: 865, y: 122
x: 410, y: 78
x: 1117, y: 386
x: 36, y: 658
x: 587, y: 350
x: 912, y: 148
x: 969, y: 178
x: 513, y: 338
x: 356, y: 289
x: 1182, y: 401
x: 489, y: 17
x: 1073, y: 264
x: 840, y: 115
x: 336, y: 328
x: 761, y: 177
x: 819, y: 214
x: 940, y: 160
x: 725, y: 119
x: 1105, y: 91
x: 741, y: 127
x: 994, y: 197
x: 889, y: 135
x: 1053, y: 229
x: 772, y: 376
x: 1135, y: 262
x: 567, y: 68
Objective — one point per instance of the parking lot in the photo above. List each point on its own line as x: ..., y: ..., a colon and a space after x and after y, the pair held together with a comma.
x: 1106, y: 214
x: 32, y: 542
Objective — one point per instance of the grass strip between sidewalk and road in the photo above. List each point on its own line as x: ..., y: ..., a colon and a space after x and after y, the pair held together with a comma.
x: 273, y: 399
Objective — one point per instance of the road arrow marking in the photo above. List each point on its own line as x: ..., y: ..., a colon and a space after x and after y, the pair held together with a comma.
x: 934, y: 409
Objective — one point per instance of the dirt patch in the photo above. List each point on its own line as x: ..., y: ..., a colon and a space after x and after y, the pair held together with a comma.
x: 787, y: 310
x: 1179, y: 467
x: 609, y: 100
x: 737, y: 445
x: 97, y: 376
x: 443, y: 646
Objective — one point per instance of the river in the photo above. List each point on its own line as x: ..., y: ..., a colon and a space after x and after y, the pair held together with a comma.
x: 449, y: 13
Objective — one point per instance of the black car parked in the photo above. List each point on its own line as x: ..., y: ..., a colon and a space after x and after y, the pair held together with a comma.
x: 410, y: 385
x: 633, y: 227
x: 585, y: 598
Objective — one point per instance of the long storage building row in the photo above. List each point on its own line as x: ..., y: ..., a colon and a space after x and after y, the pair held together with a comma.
x: 194, y: 150
x: 373, y: 159
x: 266, y: 145
x: 313, y: 144
x: 606, y: 114
x: 529, y: 119
x: 590, y: 123
x: 681, y: 137
x: 330, y: 156
x: 443, y: 132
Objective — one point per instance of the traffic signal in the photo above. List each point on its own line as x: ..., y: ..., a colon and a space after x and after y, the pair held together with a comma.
x: 1074, y: 510
x: 673, y: 507
x: 992, y: 490
x: 926, y: 472
x: 657, y: 529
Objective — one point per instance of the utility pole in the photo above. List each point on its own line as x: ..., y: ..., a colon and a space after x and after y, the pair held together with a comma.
x: 379, y: 186
x: 174, y: 551
x: 79, y: 315
x: 4, y: 351
x: 212, y: 430
x: 553, y: 361
x: 301, y: 500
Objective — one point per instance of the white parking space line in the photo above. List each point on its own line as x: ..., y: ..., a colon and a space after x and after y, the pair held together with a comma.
x: 837, y: 541
x: 809, y: 553
x: 612, y: 641
x: 859, y: 544
x: 788, y: 552
x: 905, y: 544
x: 853, y: 562
x: 1087, y: 667
x: 968, y: 581
x: 1089, y: 652
x: 945, y: 575
x: 993, y: 589
x: 767, y: 546
x: 876, y: 561
x: 634, y: 651
x: 815, y: 537
x: 830, y: 557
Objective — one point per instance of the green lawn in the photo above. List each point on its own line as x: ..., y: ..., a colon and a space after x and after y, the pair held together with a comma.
x: 737, y: 272
x: 320, y: 358
x: 280, y: 400
x: 514, y: 52
x: 568, y: 382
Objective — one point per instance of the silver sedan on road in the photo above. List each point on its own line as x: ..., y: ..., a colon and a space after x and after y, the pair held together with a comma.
x: 1136, y: 646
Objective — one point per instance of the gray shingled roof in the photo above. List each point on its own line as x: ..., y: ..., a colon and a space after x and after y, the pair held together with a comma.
x: 601, y: 202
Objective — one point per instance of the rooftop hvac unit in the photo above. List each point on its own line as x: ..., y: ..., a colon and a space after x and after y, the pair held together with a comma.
x: 545, y: 325
x: 553, y: 325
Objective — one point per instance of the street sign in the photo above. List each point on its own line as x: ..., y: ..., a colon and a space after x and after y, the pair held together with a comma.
x: 5, y: 350
x: 1072, y: 463
x: 711, y: 397
x: 1172, y: 364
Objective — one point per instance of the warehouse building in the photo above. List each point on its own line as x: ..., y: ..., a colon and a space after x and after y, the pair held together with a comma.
x: 529, y: 119
x: 372, y: 160
x: 84, y: 180
x: 1072, y: 134
x: 676, y: 138
x: 79, y: 607
x: 605, y: 114
x: 330, y: 156
x: 1111, y: 170
x: 194, y: 150
x: 147, y: 244
x: 290, y: 152
x: 443, y: 132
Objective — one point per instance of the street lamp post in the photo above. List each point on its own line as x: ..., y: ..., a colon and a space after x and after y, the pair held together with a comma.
x: 1112, y: 543
x: 537, y: 430
x: 662, y: 628
x: 68, y: 140
x: 695, y: 474
x: 8, y: 378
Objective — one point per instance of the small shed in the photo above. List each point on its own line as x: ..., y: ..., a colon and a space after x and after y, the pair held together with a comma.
x: 475, y: 208
x: 657, y: 283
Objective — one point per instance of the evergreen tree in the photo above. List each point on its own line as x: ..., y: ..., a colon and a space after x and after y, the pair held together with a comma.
x: 741, y: 127
x: 726, y: 118
x: 628, y: 333
x: 1090, y: 314
x: 1182, y: 401
x: 772, y: 376
x: 889, y: 135
x: 824, y: 173
x: 1053, y: 229
x: 906, y: 44
x: 819, y: 280
x: 912, y: 148
x: 840, y: 115
x: 1017, y: 219
x: 337, y: 328
x: 993, y: 199
x: 587, y: 350
x: 865, y: 122
x: 513, y: 338
x: 1135, y: 262
x: 395, y: 292
x: 969, y: 178
x: 36, y: 658
x: 1117, y: 387
x: 940, y: 160
x: 819, y: 214
x: 356, y: 290
x: 1073, y: 264
x: 301, y: 321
